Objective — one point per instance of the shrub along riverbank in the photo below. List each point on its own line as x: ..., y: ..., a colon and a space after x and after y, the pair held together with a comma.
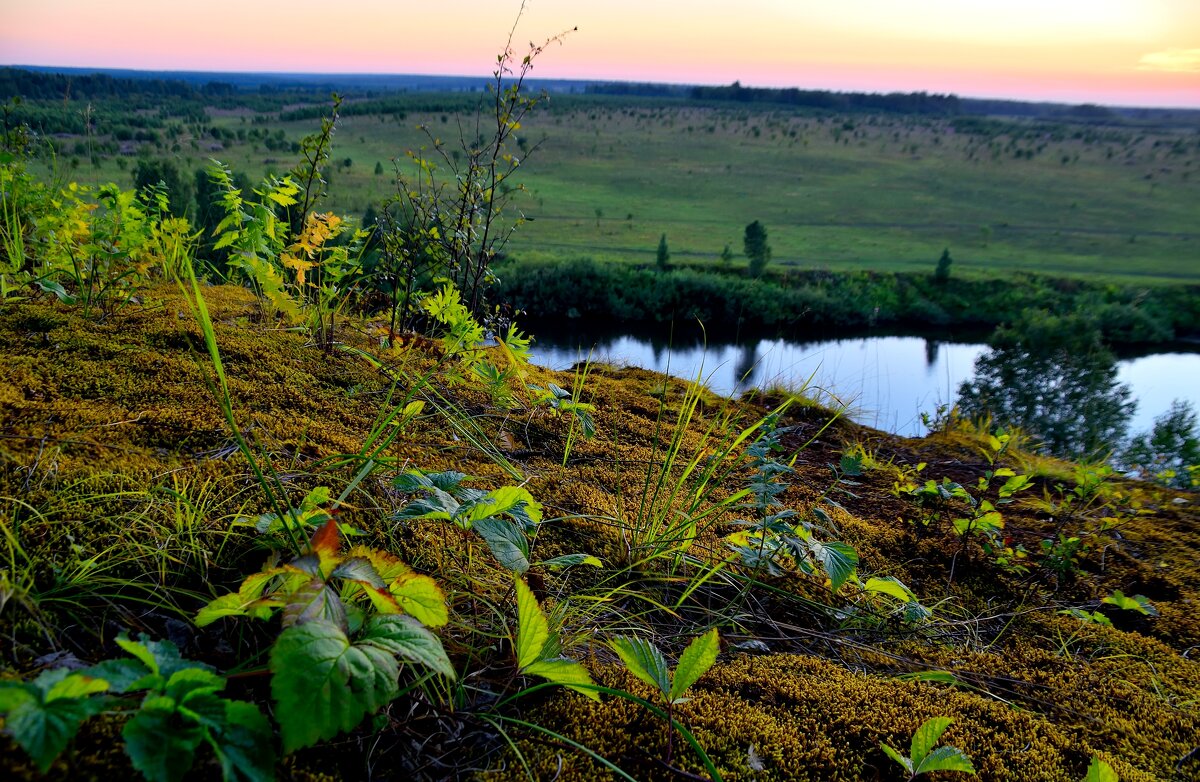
x: 794, y: 301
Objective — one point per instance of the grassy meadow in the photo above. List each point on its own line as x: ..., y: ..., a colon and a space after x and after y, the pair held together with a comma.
x: 607, y: 177
x: 278, y: 506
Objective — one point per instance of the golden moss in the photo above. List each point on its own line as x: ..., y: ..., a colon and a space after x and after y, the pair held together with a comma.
x: 119, y: 481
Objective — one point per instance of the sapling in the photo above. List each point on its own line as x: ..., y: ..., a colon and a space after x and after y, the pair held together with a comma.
x: 922, y: 758
x: 645, y: 661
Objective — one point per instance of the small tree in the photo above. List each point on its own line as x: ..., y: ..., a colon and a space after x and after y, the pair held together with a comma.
x: 726, y: 256
x: 756, y: 247
x: 378, y: 168
x: 942, y: 273
x: 664, y: 254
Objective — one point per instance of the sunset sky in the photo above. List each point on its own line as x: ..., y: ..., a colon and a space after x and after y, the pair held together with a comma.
x: 1126, y: 52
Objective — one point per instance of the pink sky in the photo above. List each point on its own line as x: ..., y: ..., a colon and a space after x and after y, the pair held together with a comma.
x: 1131, y: 52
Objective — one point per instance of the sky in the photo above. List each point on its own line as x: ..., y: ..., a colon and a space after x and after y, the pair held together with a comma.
x: 1117, y: 52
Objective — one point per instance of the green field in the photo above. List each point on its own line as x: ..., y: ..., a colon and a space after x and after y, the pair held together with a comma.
x: 835, y: 192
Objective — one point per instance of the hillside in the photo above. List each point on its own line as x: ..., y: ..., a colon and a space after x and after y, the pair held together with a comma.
x: 1055, y: 623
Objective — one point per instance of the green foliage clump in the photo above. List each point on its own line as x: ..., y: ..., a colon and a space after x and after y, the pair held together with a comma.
x: 754, y: 245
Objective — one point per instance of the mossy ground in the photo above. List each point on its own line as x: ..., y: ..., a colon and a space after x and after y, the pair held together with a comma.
x: 121, y: 486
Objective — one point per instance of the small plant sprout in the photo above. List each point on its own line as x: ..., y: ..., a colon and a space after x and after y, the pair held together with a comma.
x: 1139, y: 603
x: 645, y: 661
x: 923, y: 758
x: 538, y: 652
x: 1099, y: 771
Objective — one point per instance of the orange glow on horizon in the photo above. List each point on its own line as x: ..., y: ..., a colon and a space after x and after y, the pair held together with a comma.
x: 1128, y: 52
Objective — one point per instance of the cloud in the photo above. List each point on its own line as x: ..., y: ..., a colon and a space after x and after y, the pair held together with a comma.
x: 1171, y: 61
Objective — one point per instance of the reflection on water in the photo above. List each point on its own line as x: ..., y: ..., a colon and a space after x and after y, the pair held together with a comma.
x: 1069, y: 398
x: 888, y: 381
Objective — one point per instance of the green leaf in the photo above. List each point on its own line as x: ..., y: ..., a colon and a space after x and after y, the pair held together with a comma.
x: 945, y: 759
x: 13, y: 694
x: 895, y: 755
x: 120, y: 674
x: 161, y: 657
x: 422, y: 598
x: 204, y: 707
x: 506, y: 541
x: 246, y: 744
x: 43, y: 729
x: 404, y: 636
x: 926, y: 737
x: 1139, y: 603
x: 1099, y: 771
x: 532, y: 629
x: 189, y: 681
x: 322, y: 685
x: 839, y: 560
x: 568, y: 673
x: 226, y: 240
x: 513, y: 500
x: 159, y: 743
x: 695, y: 661
x: 570, y: 560
x: 139, y: 650
x: 76, y: 686
x: 644, y: 660
x: 280, y: 198
x: 890, y: 586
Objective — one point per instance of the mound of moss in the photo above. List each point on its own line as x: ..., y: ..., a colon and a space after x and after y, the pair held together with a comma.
x: 126, y: 506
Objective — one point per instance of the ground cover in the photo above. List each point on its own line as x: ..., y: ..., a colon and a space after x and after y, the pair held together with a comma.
x: 122, y: 490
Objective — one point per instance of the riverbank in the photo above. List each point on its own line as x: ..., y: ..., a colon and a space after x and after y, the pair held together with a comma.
x: 790, y: 303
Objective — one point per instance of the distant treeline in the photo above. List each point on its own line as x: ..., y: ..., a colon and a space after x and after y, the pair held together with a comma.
x: 793, y: 303
x: 33, y: 85
x: 920, y: 103
x: 894, y: 102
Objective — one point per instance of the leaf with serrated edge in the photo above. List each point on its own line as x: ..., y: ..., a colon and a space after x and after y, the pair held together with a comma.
x: 43, y: 729
x: 532, y: 629
x: 695, y: 661
x: 945, y: 759
x: 421, y: 598
x: 314, y: 602
x: 506, y: 541
x: 404, y: 636
x: 644, y: 660
x: 322, y: 685
x: 246, y: 744
x: 160, y: 744
x: 139, y: 650
x: 839, y: 561
x: 568, y: 673
x: 325, y: 540
x: 358, y: 569
x: 926, y: 737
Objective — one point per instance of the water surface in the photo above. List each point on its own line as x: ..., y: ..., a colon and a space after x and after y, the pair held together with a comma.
x: 887, y: 381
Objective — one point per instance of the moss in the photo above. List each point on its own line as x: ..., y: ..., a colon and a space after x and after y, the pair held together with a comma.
x: 120, y: 490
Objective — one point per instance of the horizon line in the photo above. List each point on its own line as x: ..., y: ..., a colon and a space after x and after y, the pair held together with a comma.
x: 98, y: 69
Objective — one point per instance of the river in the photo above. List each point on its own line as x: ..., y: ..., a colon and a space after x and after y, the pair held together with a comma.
x: 886, y: 381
